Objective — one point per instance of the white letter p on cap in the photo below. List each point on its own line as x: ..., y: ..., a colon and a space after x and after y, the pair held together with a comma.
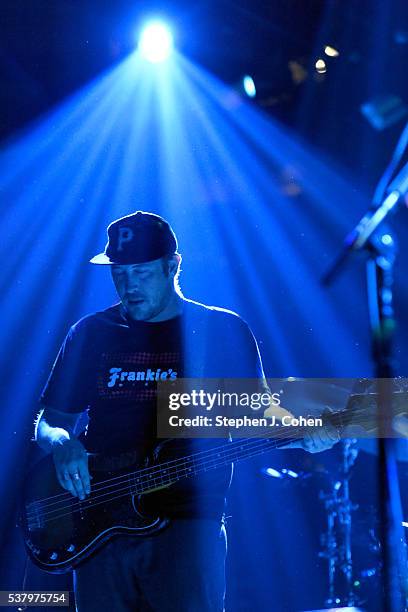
x: 125, y: 235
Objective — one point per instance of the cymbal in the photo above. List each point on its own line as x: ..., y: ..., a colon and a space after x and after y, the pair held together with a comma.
x: 310, y: 397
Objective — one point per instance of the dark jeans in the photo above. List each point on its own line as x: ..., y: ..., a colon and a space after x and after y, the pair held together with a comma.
x: 181, y: 569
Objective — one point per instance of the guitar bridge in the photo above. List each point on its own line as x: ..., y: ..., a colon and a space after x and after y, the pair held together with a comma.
x: 34, y: 516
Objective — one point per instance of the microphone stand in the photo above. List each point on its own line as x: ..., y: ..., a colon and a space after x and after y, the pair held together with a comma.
x: 379, y: 284
x: 382, y: 252
x: 359, y: 237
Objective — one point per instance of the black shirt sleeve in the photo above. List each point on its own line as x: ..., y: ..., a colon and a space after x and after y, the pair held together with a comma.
x: 236, y: 359
x: 69, y: 386
x: 244, y: 355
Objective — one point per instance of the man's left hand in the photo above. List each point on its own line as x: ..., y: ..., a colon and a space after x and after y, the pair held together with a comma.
x: 317, y: 439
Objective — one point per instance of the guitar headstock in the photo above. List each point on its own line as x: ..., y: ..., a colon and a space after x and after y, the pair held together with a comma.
x: 363, y: 411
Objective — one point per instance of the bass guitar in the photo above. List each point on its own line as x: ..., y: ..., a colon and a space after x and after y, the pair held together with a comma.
x: 60, y: 530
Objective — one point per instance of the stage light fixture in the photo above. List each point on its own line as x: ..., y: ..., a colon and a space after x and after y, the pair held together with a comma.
x: 155, y: 42
x: 320, y: 66
x: 249, y: 86
x: 331, y: 51
x: 272, y: 472
x: 290, y: 473
x: 386, y: 239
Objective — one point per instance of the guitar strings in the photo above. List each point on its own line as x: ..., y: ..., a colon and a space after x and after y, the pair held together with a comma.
x: 101, y: 484
x: 159, y: 468
x: 225, y: 448
x: 259, y: 449
x: 125, y: 491
x: 352, y: 396
x: 154, y: 469
x: 75, y: 507
x: 197, y: 457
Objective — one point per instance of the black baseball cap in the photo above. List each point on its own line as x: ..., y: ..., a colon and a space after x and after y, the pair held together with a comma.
x: 137, y: 238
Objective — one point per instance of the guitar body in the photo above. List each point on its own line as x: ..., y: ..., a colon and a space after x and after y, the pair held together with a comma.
x: 60, y: 531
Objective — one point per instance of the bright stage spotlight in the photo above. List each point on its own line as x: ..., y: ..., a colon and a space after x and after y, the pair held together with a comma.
x: 249, y: 86
x: 331, y: 51
x: 156, y: 42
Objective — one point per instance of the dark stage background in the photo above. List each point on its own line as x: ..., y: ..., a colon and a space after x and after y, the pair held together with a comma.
x: 260, y: 192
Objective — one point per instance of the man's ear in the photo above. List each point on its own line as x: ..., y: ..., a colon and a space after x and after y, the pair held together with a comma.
x: 174, y: 264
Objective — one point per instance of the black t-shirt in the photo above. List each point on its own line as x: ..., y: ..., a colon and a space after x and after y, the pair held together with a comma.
x: 109, y: 365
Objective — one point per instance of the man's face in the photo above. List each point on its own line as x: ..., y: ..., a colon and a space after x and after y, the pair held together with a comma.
x: 144, y: 289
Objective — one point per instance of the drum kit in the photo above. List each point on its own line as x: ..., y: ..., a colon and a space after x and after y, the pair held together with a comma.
x: 350, y: 543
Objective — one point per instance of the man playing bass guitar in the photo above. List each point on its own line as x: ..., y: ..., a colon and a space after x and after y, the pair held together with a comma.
x: 101, y: 398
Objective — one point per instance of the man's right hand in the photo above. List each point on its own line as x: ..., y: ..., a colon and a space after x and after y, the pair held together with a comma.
x: 71, y: 464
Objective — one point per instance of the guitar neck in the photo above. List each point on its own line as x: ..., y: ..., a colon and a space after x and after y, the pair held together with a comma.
x: 165, y: 474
